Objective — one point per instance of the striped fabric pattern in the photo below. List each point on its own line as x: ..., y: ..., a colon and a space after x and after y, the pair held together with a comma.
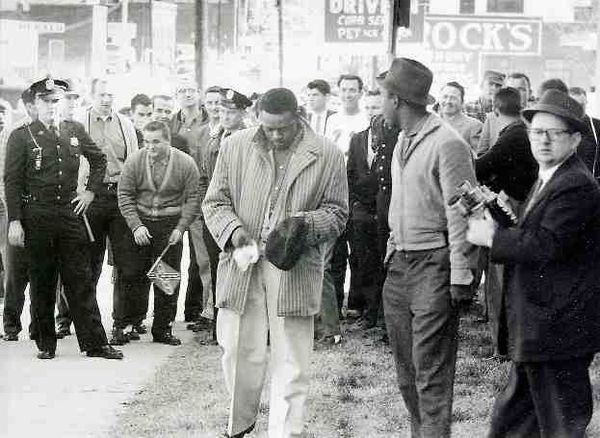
x: 238, y: 195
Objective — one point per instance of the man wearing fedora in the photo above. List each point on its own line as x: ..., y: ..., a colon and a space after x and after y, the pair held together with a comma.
x: 428, y: 258
x: 551, y: 311
x: 270, y: 178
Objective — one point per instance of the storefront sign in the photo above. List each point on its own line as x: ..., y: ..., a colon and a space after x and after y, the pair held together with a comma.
x: 360, y: 21
x: 510, y: 36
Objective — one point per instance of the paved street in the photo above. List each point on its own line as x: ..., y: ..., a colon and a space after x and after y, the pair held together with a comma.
x: 72, y: 395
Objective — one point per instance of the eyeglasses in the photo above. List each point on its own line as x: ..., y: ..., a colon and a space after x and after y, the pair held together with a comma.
x: 552, y: 134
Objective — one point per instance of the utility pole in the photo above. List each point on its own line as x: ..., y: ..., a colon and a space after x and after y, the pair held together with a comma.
x: 280, y: 38
x: 199, y: 43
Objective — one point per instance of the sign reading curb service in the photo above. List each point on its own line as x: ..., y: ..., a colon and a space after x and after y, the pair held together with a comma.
x: 359, y: 21
x: 510, y: 36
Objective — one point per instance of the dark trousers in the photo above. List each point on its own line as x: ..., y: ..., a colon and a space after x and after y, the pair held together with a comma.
x: 57, y: 243
x: 106, y: 221
x: 213, y: 251
x: 63, y: 316
x: 336, y: 268
x: 327, y: 322
x: 17, y: 278
x: 365, y: 264
x: 193, y: 294
x: 135, y: 285
x: 544, y: 399
x: 422, y: 328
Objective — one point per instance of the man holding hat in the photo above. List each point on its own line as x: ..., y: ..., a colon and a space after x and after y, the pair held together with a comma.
x: 492, y: 81
x: 44, y: 213
x: 551, y: 310
x: 429, y: 261
x: 278, y: 197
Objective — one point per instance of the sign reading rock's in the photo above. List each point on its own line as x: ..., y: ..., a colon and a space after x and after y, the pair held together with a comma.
x: 483, y: 34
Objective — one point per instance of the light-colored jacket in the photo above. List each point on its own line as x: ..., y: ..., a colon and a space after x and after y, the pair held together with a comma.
x: 238, y: 196
x: 424, y: 178
x: 129, y: 135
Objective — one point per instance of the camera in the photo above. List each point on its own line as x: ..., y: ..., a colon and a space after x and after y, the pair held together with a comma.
x: 471, y: 200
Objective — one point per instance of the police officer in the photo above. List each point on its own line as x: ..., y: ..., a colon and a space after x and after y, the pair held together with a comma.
x: 45, y: 216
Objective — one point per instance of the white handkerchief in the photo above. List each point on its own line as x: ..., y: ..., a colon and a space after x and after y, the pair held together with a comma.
x: 246, y: 255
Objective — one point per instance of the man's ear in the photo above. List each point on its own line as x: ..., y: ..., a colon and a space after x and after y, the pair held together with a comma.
x: 576, y: 137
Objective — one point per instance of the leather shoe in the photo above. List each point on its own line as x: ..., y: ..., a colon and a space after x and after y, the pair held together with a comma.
x: 45, y: 355
x: 106, y: 352
x: 140, y: 329
x: 202, y: 324
x: 62, y: 332
x: 119, y: 337
x: 11, y: 337
x: 133, y: 335
x: 166, y: 338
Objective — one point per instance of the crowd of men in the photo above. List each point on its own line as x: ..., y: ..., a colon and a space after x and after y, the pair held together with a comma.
x: 278, y: 198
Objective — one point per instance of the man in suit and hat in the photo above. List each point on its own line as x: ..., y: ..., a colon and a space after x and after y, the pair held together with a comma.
x: 429, y: 265
x: 266, y: 178
x: 44, y: 213
x: 551, y: 312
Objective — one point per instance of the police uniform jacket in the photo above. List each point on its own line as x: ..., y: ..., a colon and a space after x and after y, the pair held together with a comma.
x: 43, y: 169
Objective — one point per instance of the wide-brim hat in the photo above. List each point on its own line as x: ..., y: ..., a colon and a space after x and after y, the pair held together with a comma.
x: 286, y: 243
x: 559, y: 104
x: 410, y: 80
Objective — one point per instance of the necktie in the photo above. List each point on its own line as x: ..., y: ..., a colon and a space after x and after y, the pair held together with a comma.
x: 52, y: 129
x: 535, y: 194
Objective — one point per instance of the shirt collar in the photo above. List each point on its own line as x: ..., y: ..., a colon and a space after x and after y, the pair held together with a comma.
x: 546, y: 174
x: 47, y: 126
x: 97, y: 117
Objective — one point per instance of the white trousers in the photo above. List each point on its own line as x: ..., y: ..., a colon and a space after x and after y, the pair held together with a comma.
x: 203, y: 262
x: 244, y: 341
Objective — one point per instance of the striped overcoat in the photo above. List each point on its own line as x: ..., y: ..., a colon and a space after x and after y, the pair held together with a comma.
x: 238, y: 195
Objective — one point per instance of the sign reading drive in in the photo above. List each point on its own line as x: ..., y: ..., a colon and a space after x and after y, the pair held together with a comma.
x: 359, y: 21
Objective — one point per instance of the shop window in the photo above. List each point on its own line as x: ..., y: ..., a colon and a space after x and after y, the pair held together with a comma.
x: 505, y: 6
x: 467, y: 7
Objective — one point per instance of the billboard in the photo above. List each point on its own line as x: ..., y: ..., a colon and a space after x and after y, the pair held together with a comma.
x: 499, y: 35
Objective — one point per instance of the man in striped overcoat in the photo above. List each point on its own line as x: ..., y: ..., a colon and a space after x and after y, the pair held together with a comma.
x: 264, y: 175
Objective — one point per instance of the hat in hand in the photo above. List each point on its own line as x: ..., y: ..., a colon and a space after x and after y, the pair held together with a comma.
x: 286, y: 243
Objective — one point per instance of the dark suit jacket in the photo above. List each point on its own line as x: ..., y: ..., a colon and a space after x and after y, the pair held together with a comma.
x: 362, y: 181
x: 509, y: 164
x: 588, y: 149
x: 552, y: 259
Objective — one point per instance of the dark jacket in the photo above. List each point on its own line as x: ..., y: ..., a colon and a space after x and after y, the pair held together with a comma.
x: 588, y: 149
x: 48, y: 176
x: 552, y: 260
x: 362, y: 180
x: 509, y: 164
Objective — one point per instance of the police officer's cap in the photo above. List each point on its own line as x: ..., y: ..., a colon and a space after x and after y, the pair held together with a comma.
x: 234, y: 100
x: 48, y: 87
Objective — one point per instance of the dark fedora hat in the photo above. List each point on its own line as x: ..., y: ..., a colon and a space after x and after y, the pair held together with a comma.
x: 561, y: 105
x: 410, y: 80
x: 286, y: 243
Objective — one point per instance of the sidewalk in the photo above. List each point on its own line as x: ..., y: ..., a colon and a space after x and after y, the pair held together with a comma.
x: 73, y: 395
